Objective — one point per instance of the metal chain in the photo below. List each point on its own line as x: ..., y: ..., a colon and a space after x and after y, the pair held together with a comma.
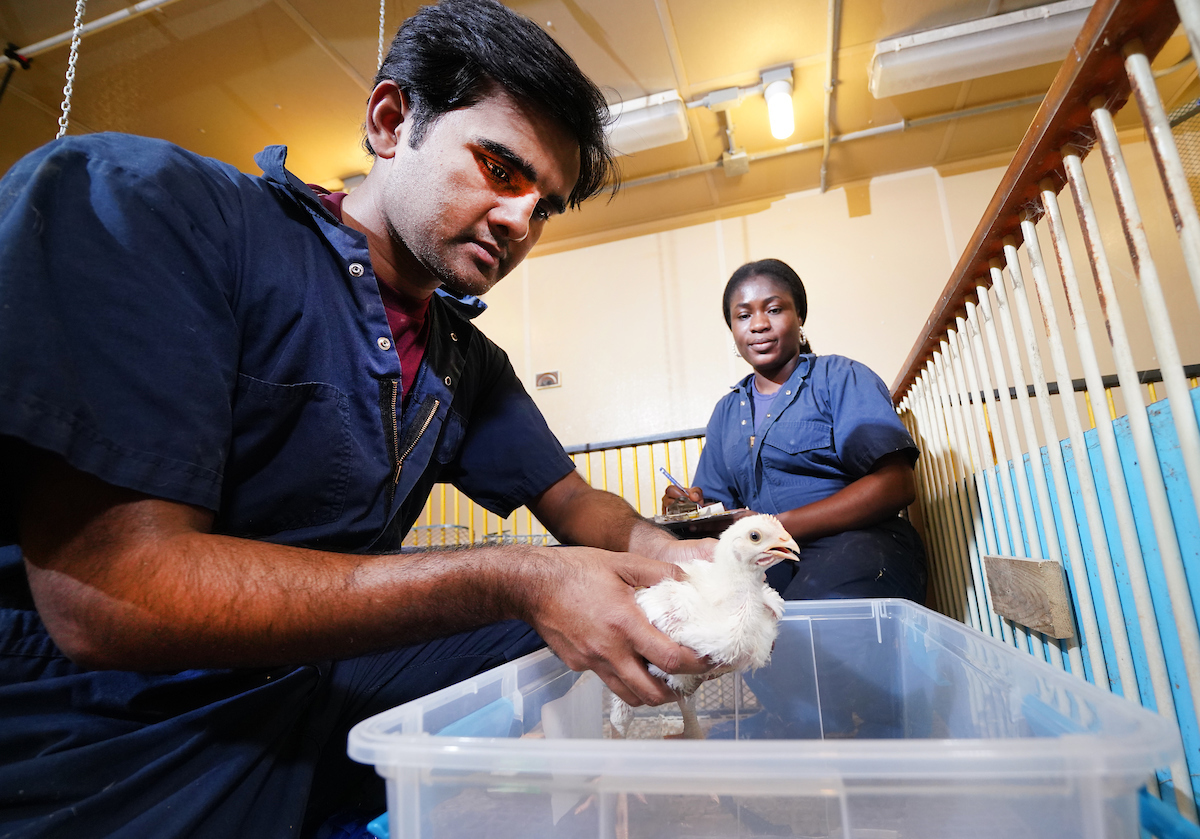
x: 69, y: 88
x: 382, y: 10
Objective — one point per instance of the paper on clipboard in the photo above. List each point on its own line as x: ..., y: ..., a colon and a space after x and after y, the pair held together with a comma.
x: 707, y: 521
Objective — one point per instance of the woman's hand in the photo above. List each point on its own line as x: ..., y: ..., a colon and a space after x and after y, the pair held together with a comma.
x: 674, y: 494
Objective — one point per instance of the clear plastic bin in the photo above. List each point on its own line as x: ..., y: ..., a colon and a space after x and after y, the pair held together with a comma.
x: 876, y: 719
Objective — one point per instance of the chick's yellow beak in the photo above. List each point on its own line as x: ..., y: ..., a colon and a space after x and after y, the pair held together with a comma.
x: 784, y: 548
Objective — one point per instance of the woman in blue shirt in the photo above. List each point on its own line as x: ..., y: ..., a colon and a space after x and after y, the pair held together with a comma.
x: 815, y: 441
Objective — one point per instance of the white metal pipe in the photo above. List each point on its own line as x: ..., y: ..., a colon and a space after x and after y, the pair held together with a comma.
x: 995, y: 537
x: 978, y: 441
x: 968, y: 490
x: 928, y: 525
x: 1166, y: 153
x: 1085, y: 608
x: 830, y: 85
x: 981, y: 511
x: 934, y: 433
x: 128, y: 13
x: 1012, y: 530
x: 1032, y: 445
x: 972, y: 480
x: 1186, y: 427
x: 1125, y: 677
x: 981, y: 388
x: 1032, y: 545
x: 1189, y: 18
x: 908, y: 414
x: 808, y: 145
x: 935, y: 429
x: 1147, y: 455
x: 935, y: 543
x: 949, y: 484
x: 968, y: 555
x: 1009, y: 448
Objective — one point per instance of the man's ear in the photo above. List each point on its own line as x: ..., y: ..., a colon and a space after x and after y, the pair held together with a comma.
x: 388, y: 115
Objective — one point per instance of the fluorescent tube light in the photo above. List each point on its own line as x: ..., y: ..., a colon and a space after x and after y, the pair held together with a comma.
x: 1026, y: 38
x: 648, y: 122
x: 777, y: 90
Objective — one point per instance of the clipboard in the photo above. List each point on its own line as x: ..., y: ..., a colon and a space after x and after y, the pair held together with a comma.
x: 690, y: 526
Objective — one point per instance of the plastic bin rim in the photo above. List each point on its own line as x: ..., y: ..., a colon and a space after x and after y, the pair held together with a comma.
x: 1071, y: 755
x: 365, y: 744
x: 1152, y: 744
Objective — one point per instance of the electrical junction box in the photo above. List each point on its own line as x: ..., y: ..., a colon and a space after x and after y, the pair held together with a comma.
x: 735, y: 163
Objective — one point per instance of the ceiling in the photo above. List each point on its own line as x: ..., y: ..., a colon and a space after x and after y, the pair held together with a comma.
x: 227, y: 77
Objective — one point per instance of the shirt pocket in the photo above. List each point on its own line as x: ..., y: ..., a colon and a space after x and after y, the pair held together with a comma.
x: 451, y: 438
x: 289, y: 462
x: 798, y: 436
x: 793, y: 447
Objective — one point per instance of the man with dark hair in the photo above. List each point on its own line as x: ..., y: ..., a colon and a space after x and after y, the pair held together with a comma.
x: 223, y: 402
x: 497, y: 48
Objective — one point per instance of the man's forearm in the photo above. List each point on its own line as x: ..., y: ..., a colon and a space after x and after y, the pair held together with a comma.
x: 579, y: 514
x: 198, y: 599
x: 123, y: 580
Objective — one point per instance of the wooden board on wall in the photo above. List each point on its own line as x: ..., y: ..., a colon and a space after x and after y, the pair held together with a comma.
x: 1031, y: 592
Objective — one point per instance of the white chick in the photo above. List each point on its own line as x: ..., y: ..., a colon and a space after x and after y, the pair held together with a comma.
x: 724, y: 609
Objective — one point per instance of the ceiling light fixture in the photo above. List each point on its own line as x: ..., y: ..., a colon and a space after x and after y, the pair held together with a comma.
x: 777, y: 90
x: 648, y: 122
x: 1011, y: 41
x: 661, y: 118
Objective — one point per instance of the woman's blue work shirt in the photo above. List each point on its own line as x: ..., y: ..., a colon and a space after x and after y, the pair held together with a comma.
x: 828, y: 426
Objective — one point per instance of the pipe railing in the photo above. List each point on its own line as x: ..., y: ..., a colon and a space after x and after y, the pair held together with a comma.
x: 628, y: 468
x: 1013, y: 465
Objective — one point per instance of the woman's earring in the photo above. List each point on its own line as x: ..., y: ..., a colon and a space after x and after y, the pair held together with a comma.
x: 803, y: 335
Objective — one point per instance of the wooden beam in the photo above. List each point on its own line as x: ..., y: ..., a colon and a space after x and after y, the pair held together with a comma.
x: 1032, y: 592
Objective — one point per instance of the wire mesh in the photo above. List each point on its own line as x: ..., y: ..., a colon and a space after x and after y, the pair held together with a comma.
x: 435, y: 535
x: 506, y: 538
x: 717, y: 700
x: 1185, y: 127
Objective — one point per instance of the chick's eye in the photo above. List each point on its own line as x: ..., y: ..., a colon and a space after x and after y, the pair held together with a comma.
x: 755, y: 536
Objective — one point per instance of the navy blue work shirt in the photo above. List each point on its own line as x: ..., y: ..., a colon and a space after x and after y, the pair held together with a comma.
x: 174, y: 326
x: 828, y: 426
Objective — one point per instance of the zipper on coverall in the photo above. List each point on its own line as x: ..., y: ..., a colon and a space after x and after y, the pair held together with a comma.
x: 403, y: 448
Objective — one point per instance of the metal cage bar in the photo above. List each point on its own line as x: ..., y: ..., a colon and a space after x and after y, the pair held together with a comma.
x: 1085, y: 610
x: 995, y: 538
x: 1124, y: 680
x: 969, y: 566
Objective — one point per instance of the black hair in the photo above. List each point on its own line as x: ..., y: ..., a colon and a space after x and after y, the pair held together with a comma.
x: 451, y: 56
x: 780, y: 272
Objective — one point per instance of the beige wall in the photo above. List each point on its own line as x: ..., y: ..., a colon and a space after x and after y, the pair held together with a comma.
x: 634, y: 327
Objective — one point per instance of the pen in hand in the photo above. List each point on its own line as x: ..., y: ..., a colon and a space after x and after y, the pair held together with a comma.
x: 686, y: 495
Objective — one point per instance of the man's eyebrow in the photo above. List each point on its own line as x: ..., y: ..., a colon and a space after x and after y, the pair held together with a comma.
x: 521, y: 165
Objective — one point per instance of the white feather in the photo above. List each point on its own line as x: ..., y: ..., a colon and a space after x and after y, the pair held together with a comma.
x: 724, y: 610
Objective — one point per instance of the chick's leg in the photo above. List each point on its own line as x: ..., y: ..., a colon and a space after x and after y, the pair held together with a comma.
x: 691, y: 722
x: 620, y: 715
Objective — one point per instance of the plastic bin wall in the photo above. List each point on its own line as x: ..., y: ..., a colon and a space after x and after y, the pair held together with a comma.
x: 875, y: 720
